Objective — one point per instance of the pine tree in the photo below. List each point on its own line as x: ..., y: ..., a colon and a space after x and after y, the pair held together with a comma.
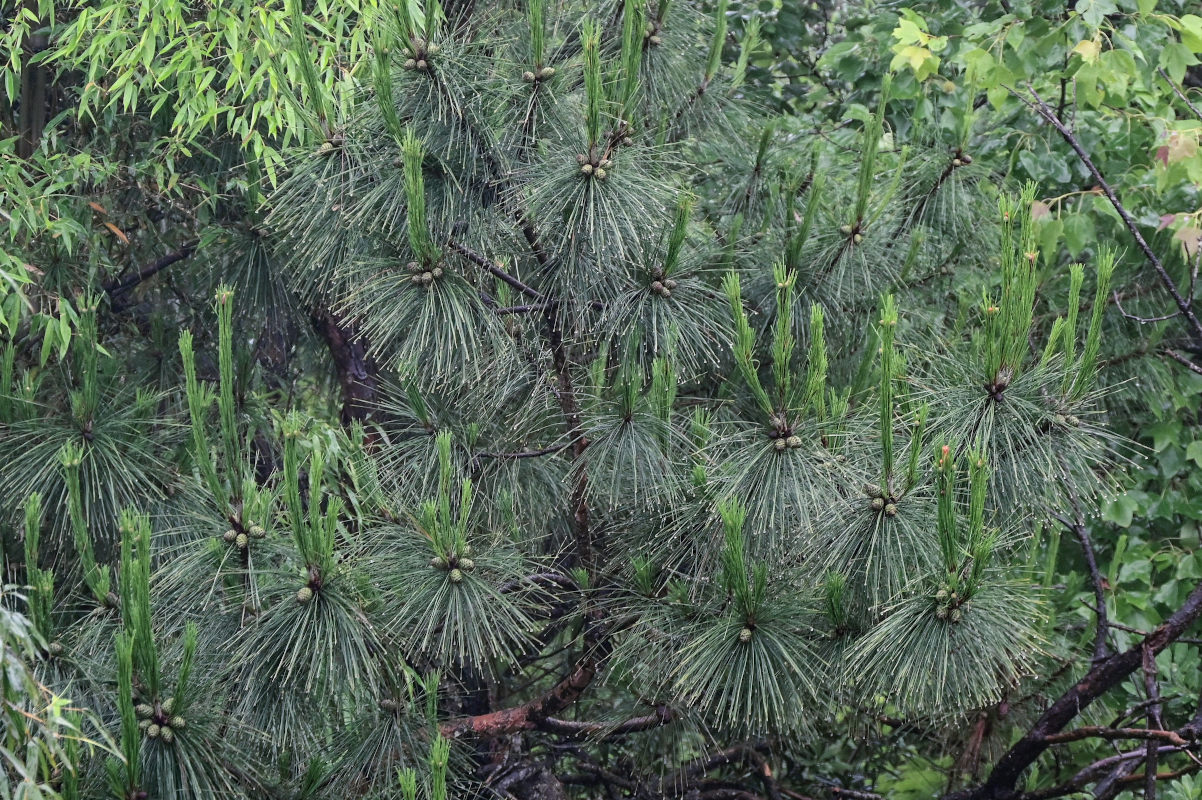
x: 695, y: 428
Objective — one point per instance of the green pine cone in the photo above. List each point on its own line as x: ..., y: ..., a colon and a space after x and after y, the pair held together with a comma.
x: 456, y: 576
x: 167, y: 734
x: 304, y: 595
x: 153, y: 731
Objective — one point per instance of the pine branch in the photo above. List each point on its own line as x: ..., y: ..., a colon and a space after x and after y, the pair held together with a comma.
x: 482, y: 261
x: 526, y: 453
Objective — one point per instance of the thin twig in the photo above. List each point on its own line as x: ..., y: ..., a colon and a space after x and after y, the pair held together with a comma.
x: 1152, y: 685
x: 1141, y: 320
x: 1077, y: 526
x: 1180, y: 359
x: 525, y: 453
x: 1184, y: 306
x: 483, y: 261
x: 1177, y: 90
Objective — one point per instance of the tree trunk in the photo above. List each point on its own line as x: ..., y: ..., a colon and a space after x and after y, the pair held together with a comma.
x: 358, y: 375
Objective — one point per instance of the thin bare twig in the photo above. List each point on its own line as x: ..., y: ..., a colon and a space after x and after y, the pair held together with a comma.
x: 1177, y: 90
x: 1043, y: 110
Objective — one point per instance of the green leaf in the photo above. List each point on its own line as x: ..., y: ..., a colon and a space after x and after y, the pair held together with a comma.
x: 1194, y: 452
x: 1121, y: 510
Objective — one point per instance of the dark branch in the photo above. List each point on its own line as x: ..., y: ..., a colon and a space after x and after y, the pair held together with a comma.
x: 151, y: 269
x: 1101, y: 678
x: 482, y: 261
x: 1184, y: 306
x: 1095, y: 574
x: 1177, y: 90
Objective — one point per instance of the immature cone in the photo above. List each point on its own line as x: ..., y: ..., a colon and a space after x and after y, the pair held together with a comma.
x: 242, y: 540
x: 410, y: 63
x: 859, y: 237
x: 669, y: 284
x: 421, y: 64
x: 467, y: 564
x: 56, y: 648
x: 957, y: 162
x: 745, y: 635
x: 438, y: 562
x: 872, y: 490
x: 436, y: 272
x: 144, y: 710
x: 257, y: 532
x: 546, y: 73
x: 153, y: 731
x: 586, y: 169
x: 656, y: 41
x: 957, y: 615
x: 845, y: 230
x: 780, y: 444
x: 427, y: 278
x: 626, y: 140
x: 794, y: 442
x: 433, y: 49
x: 179, y: 723
x: 456, y: 576
x: 890, y: 509
x: 168, y: 705
x: 599, y: 174
x: 167, y: 734
x: 414, y: 267
x: 877, y: 503
x: 304, y: 595
x: 657, y: 287
x: 230, y: 535
x: 528, y: 76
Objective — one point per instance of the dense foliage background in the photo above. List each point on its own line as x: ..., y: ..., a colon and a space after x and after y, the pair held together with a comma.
x: 662, y: 314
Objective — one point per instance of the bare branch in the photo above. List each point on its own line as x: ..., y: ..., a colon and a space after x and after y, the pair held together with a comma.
x: 1185, y: 307
x: 1177, y: 90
